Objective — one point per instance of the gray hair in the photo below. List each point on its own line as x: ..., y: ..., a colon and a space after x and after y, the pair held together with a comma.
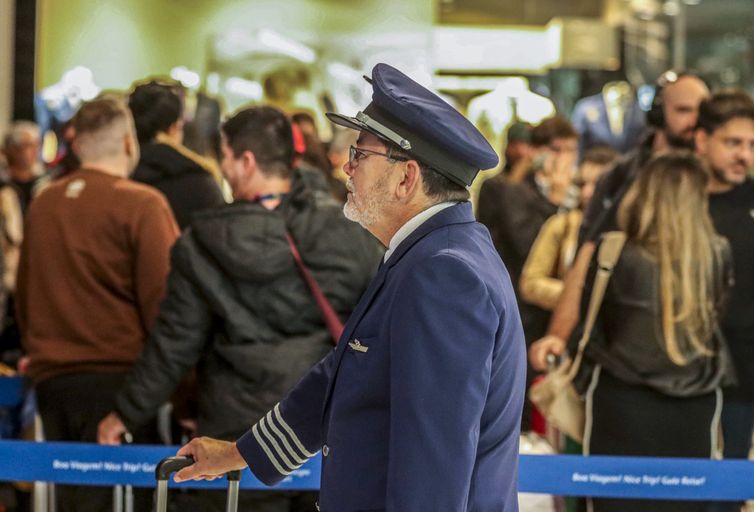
x: 18, y: 132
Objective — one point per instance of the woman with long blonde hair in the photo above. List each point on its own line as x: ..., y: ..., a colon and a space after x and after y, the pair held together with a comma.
x: 656, y: 362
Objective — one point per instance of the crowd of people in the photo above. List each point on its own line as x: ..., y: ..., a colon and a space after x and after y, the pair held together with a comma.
x: 142, y: 272
x: 669, y: 363
x: 139, y: 283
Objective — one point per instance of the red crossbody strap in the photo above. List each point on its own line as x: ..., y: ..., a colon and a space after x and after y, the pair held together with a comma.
x: 334, y: 325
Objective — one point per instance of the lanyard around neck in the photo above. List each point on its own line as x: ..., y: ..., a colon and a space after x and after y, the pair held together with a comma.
x: 267, y: 197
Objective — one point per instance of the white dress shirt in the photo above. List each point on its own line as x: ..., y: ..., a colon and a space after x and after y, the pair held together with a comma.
x: 413, y: 223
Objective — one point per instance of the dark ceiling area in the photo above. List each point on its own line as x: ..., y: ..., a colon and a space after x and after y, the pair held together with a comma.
x: 714, y: 16
x: 513, y: 12
x: 708, y: 16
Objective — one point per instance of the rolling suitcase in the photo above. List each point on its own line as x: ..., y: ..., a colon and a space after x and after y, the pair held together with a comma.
x: 170, y: 465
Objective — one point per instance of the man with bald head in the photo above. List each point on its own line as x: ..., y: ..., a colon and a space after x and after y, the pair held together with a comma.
x: 673, y: 116
x: 93, y: 269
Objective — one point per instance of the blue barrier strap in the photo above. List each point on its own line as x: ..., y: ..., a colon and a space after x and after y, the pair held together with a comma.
x: 11, y: 391
x: 566, y: 475
x: 91, y: 464
x: 637, y: 477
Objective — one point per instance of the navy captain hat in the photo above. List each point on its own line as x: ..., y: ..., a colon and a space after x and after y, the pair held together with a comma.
x: 423, y: 125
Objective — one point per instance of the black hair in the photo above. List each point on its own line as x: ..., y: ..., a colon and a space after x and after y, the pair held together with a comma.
x: 155, y: 106
x: 724, y: 106
x: 266, y: 132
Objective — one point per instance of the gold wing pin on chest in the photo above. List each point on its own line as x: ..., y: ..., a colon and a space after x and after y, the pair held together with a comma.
x: 357, y: 346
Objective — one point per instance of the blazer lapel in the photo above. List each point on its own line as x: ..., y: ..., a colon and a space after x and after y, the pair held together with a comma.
x: 453, y: 215
x: 457, y: 214
x: 374, y: 286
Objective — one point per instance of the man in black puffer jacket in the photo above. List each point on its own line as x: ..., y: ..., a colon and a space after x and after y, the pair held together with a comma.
x: 187, y: 180
x: 238, y: 307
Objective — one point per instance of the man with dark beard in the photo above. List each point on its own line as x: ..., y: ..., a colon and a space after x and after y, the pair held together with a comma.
x: 674, y: 114
x: 725, y: 139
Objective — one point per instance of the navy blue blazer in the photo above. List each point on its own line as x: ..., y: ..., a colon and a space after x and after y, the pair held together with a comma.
x: 591, y: 121
x: 418, y: 408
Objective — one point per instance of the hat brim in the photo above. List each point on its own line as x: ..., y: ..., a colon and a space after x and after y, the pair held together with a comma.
x: 351, y: 123
x: 345, y: 121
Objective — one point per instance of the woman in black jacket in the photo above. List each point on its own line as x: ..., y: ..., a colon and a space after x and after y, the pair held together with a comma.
x: 655, y: 364
x: 188, y: 180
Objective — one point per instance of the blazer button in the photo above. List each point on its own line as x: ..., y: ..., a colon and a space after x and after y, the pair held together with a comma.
x: 325, y: 451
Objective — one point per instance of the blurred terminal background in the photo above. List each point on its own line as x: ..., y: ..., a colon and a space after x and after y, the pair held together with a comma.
x: 498, y: 61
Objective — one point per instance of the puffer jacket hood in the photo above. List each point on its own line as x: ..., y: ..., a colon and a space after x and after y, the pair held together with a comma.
x: 186, y: 179
x: 239, y: 230
x: 160, y: 161
x: 231, y: 234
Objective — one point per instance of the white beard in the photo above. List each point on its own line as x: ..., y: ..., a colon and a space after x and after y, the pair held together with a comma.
x: 366, y: 208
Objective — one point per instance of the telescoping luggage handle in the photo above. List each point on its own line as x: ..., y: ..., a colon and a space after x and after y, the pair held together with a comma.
x: 123, y: 495
x: 170, y: 465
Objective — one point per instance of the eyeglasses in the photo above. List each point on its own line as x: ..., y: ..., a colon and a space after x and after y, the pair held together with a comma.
x: 357, y: 154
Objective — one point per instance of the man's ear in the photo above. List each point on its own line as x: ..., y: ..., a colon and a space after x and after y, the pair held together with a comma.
x: 249, y: 162
x: 411, y: 180
x: 130, y: 144
x: 701, y: 140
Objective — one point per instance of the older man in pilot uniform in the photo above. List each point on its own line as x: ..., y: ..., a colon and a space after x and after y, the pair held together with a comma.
x: 418, y: 407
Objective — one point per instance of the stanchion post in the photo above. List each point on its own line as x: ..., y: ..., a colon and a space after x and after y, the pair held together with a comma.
x: 129, y: 491
x: 118, y: 498
x: 43, y: 498
x: 234, y: 480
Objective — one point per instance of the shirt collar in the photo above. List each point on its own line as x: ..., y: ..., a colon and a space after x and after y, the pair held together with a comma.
x: 413, y: 223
